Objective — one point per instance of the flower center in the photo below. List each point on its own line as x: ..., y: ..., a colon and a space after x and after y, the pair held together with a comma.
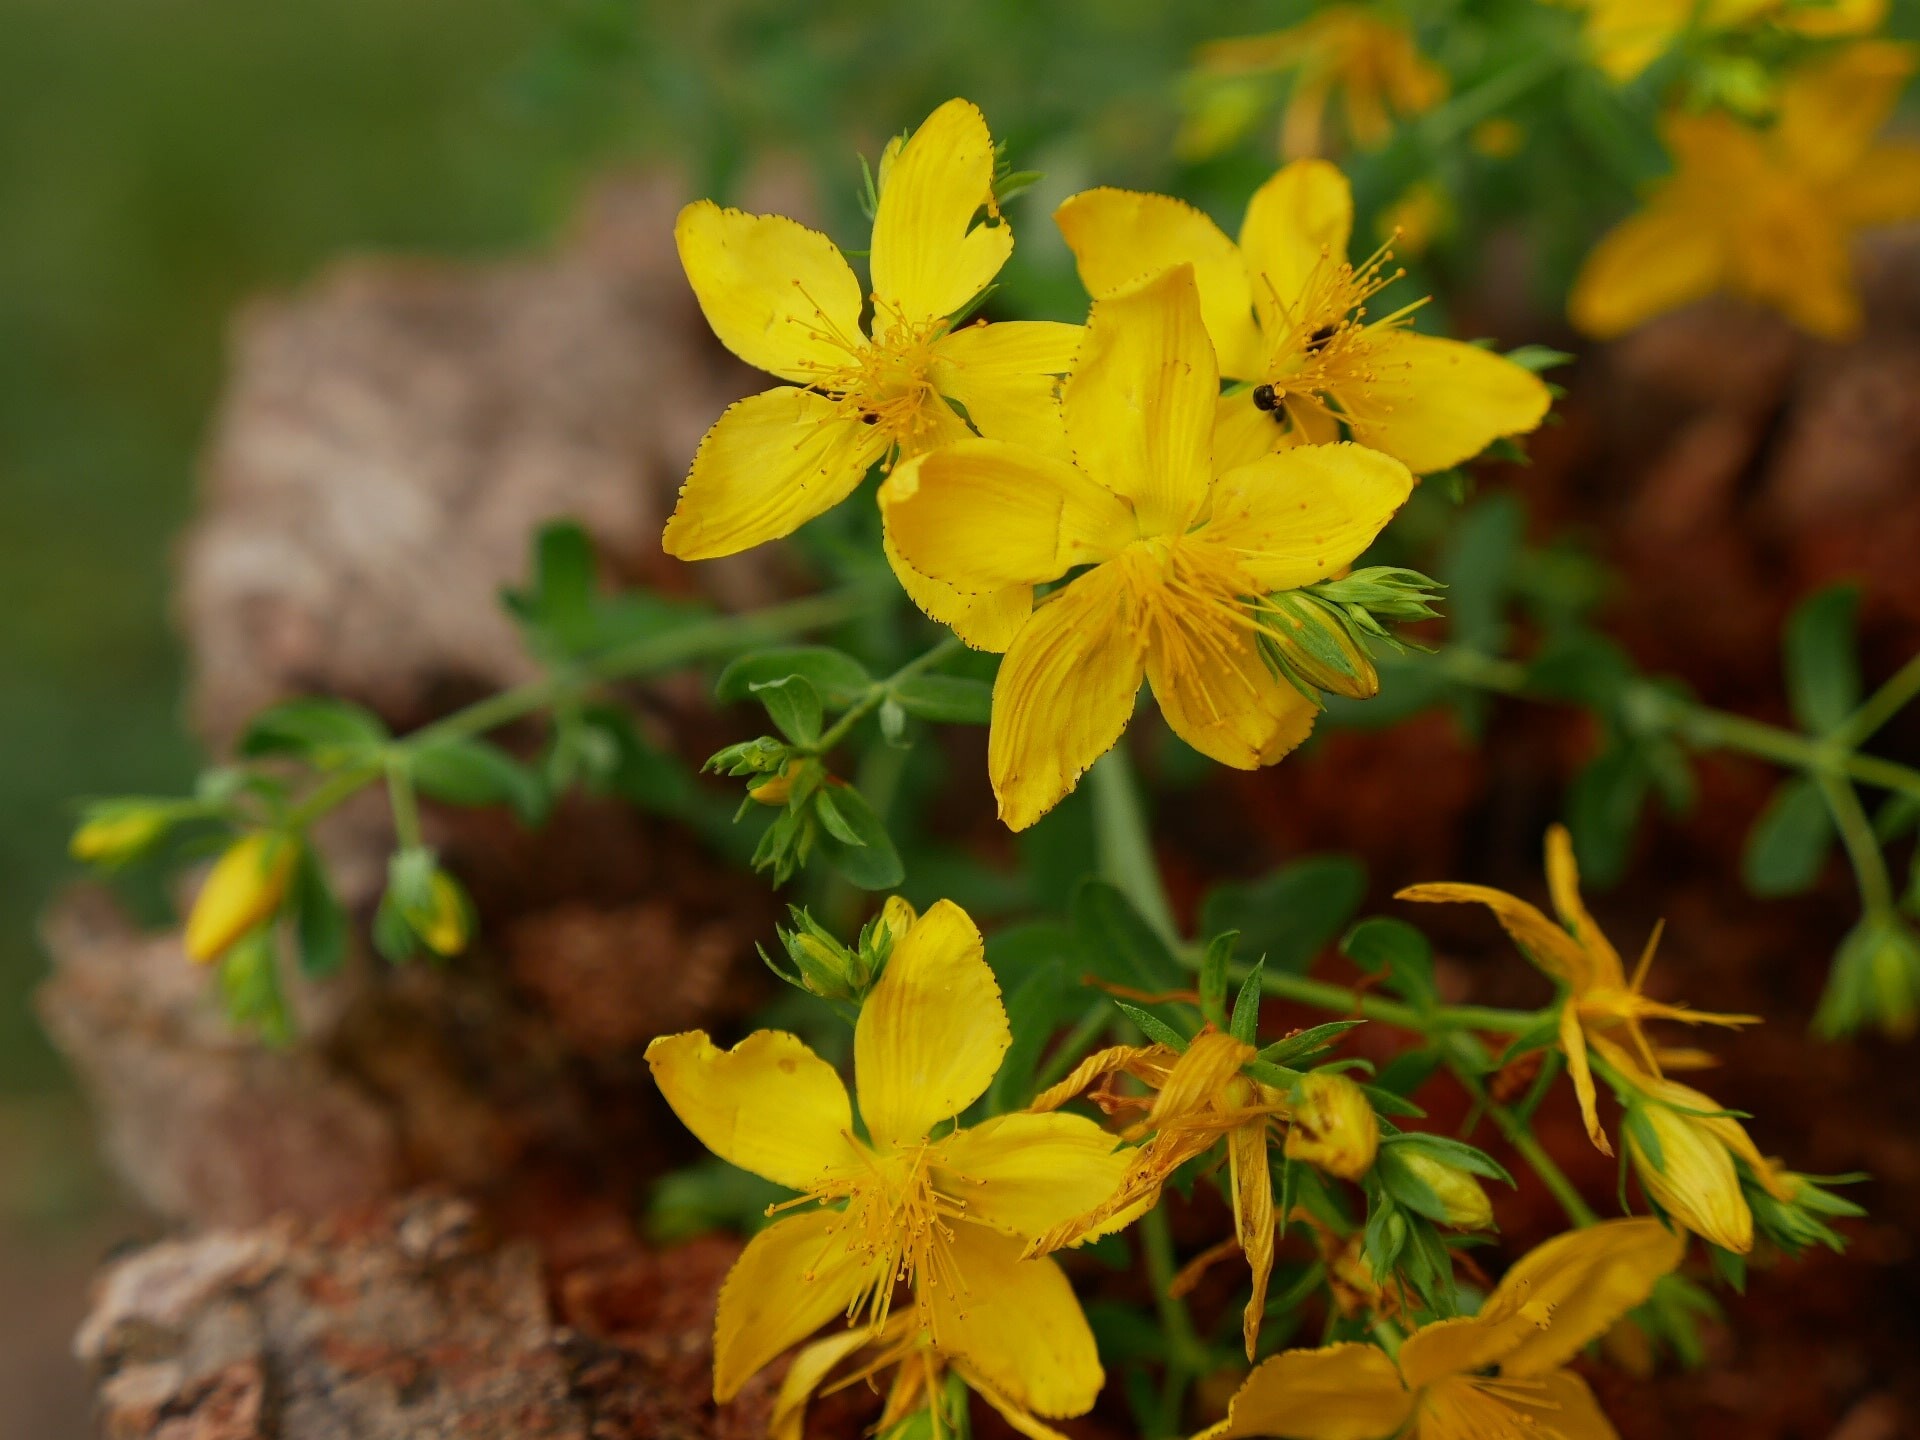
x: 1191, y: 607
x: 884, y: 381
x: 1324, y: 342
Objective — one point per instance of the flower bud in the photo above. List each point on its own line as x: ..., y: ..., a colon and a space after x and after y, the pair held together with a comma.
x: 445, y: 922
x: 244, y: 889
x: 890, y: 926
x: 1316, y: 649
x: 1332, y: 1125
x: 114, y: 836
x: 1463, y: 1202
x: 1688, y: 1172
x: 775, y: 789
x: 1875, y: 980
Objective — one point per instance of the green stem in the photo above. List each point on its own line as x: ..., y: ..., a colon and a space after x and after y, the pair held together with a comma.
x: 877, y: 693
x: 1520, y: 1135
x: 1344, y: 1000
x: 1862, y: 845
x: 404, y: 804
x: 1442, y: 126
x: 1186, y: 1355
x: 1885, y: 703
x: 1076, y: 1046
x: 1124, y: 844
x: 329, y: 793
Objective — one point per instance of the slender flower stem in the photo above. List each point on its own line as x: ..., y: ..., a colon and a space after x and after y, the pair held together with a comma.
x: 1124, y: 844
x: 1186, y: 1355
x: 1343, y: 999
x: 404, y: 804
x: 1520, y: 1135
x: 878, y: 693
x: 1862, y: 845
x: 1885, y: 703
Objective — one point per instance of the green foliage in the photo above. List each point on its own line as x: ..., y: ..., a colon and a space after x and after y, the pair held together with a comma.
x: 1293, y: 914
x: 1790, y: 840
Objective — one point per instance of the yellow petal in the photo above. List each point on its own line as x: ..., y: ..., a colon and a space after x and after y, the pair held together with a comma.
x: 1121, y: 237
x: 986, y: 620
x: 1587, y: 1279
x: 1025, y: 1174
x: 1883, y: 189
x: 1338, y: 1392
x: 243, y: 890
x: 1563, y: 883
x: 1694, y: 1181
x: 1298, y: 222
x: 780, y: 296
x: 1831, y: 109
x: 792, y: 1278
x: 1573, y: 1043
x: 1645, y: 266
x: 1575, y: 1414
x: 1839, y: 17
x: 769, y: 1105
x: 1139, y: 404
x: 1007, y: 375
x: 1626, y: 36
x: 1218, y: 695
x: 1252, y: 1219
x: 1114, y: 1060
x: 1461, y: 1346
x: 1023, y: 1421
x: 804, y: 1376
x: 1545, y: 943
x: 1306, y: 513
x: 929, y: 258
x: 932, y: 1032
x: 1435, y: 403
x: 1064, y: 694
x: 1016, y: 1322
x: 982, y: 514
x: 771, y: 462
x: 1243, y: 432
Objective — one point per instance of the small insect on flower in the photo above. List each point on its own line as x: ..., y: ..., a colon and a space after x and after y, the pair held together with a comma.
x: 1765, y: 214
x: 1289, y: 314
x: 1498, y: 1373
x: 945, y: 1212
x: 1183, y: 554
x: 784, y: 299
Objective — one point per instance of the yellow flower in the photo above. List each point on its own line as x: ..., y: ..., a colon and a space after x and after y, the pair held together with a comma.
x: 1420, y: 216
x: 1288, y: 315
x: 950, y: 1216
x: 116, y: 835
x: 1181, y: 552
x: 1202, y: 1098
x: 243, y: 890
x: 1334, y: 1127
x: 1370, y: 63
x: 1766, y: 215
x: 1552, y: 1302
x: 784, y: 299
x: 1626, y: 36
x: 1600, y: 999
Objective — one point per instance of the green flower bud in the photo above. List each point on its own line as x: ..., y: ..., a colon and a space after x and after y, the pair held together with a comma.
x: 1313, y: 646
x: 1462, y: 1200
x: 1875, y: 980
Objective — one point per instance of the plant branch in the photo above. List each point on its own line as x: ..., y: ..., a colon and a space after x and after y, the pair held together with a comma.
x: 1124, y: 844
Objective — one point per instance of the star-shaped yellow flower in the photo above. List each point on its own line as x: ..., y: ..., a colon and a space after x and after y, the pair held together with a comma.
x: 1765, y: 214
x: 1288, y: 313
x: 1182, y: 553
x: 784, y: 299
x: 1600, y: 1001
x: 947, y: 1212
x: 1553, y: 1301
x: 1626, y: 36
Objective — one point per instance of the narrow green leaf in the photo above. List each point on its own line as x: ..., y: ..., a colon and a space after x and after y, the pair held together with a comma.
x: 475, y: 772
x: 1245, y: 1024
x: 1822, y: 663
x: 836, y: 677
x: 1788, y: 844
x: 947, y: 699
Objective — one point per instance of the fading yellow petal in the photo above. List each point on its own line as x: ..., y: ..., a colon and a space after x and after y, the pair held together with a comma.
x: 1114, y: 1060
x: 1574, y: 1413
x: 1139, y: 405
x: 1883, y: 189
x: 792, y: 1278
x: 804, y: 1377
x: 1436, y: 403
x: 1252, y: 1219
x: 1338, y: 1392
x: 1587, y: 1279
x: 1573, y: 1043
x: 1007, y: 375
x: 929, y: 258
x: 1064, y: 694
x: 780, y: 296
x: 983, y: 514
x: 1549, y: 946
x: 1025, y: 1174
x: 1563, y: 883
x: 1831, y: 109
x: 985, y: 619
x: 1645, y: 266
x: 1306, y: 513
x: 1120, y: 238
x: 1461, y: 1346
x: 771, y: 462
x: 1017, y: 1322
x: 1297, y: 223
x: 769, y: 1105
x: 1218, y: 695
x: 932, y: 1032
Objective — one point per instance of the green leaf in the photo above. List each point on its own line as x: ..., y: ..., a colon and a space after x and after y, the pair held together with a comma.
x: 326, y: 731
x: 250, y: 985
x: 320, y: 920
x: 947, y: 699
x: 563, y: 583
x: 1308, y: 1044
x: 1477, y: 565
x: 1118, y: 945
x: 1034, y: 1012
x: 1788, y: 844
x: 1456, y: 1153
x: 1152, y: 1026
x: 1213, y: 978
x: 1292, y: 915
x: 475, y: 772
x: 1245, y: 1024
x: 793, y: 705
x: 836, y: 677
x: 1382, y: 945
x: 1539, y: 358
x: 1823, y: 669
x: 869, y: 859
x: 834, y: 823
x: 1603, y: 811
